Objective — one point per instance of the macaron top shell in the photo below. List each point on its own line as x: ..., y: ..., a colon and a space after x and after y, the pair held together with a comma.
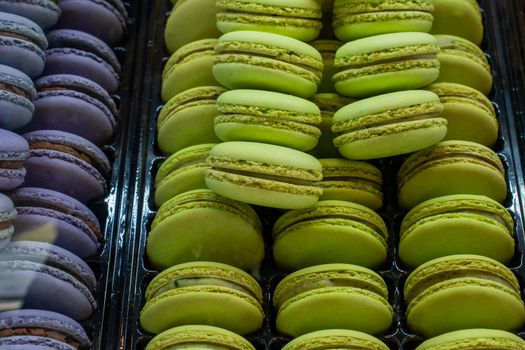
x: 28, y: 342
x: 17, y: 322
x: 13, y: 147
x: 45, y: 13
x: 489, y: 339
x: 335, y: 339
x: 17, y: 79
x: 11, y: 23
x: 193, y: 50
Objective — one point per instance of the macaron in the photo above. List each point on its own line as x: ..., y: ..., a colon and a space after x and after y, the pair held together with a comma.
x: 76, y: 105
x: 352, y: 181
x: 182, y: 172
x: 201, y: 225
x: 263, y: 174
x: 386, y: 63
x: 107, y: 19
x: 53, y: 217
x: 188, y: 67
x: 327, y: 49
x: 187, y: 119
x: 300, y: 20
x: 7, y: 215
x: 451, y: 167
x: 388, y: 125
x: 48, y: 324
x: 190, y: 20
x: 460, y: 292
x: 458, y: 17
x: 33, y: 343
x: 66, y: 163
x: 456, y: 224
x: 330, y: 232
x: 336, y: 339
x: 43, y: 279
x: 17, y: 93
x: 470, y: 115
x: 203, y: 293
x: 23, y: 44
x: 332, y: 296
x: 359, y: 19
x: 328, y: 103
x: 199, y: 337
x: 268, y: 117
x: 45, y: 13
x: 79, y: 53
x: 463, y: 62
x: 14, y: 151
x: 267, y: 61
x: 490, y: 339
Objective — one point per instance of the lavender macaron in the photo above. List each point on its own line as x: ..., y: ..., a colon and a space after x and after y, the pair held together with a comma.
x: 70, y: 224
x: 17, y: 93
x: 106, y: 19
x: 45, y: 13
x: 66, y: 163
x: 29, y: 342
x: 14, y: 150
x: 22, y: 44
x: 7, y: 215
x: 78, y: 53
x: 36, y: 275
x: 48, y: 324
x: 76, y: 105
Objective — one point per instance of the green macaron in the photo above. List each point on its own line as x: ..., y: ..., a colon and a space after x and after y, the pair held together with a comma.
x: 188, y: 67
x: 328, y: 103
x: 470, y: 115
x: 353, y: 181
x: 451, y: 167
x: 358, y: 19
x: 187, y: 119
x: 386, y: 63
x: 332, y: 296
x: 269, y: 117
x: 182, y: 172
x: 267, y: 61
x: 330, y: 232
x: 460, y: 292
x: 264, y: 174
x: 203, y: 293
x: 463, y: 62
x: 201, y: 225
x: 198, y: 337
x: 335, y: 339
x: 456, y: 224
x: 389, y: 124
x: 458, y: 17
x: 300, y: 19
x: 477, y: 338
x: 327, y: 49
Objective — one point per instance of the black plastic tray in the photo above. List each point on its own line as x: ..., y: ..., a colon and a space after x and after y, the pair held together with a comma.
x: 501, y: 31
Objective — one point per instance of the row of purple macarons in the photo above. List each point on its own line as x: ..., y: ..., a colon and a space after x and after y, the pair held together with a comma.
x: 52, y: 165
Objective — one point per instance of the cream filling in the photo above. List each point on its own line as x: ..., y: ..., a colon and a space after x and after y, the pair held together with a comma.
x: 204, y: 281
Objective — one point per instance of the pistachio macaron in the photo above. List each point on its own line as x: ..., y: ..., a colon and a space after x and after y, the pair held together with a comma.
x: 460, y: 292
x: 332, y: 296
x: 335, y: 339
x: 458, y: 17
x: 203, y: 293
x: 477, y: 338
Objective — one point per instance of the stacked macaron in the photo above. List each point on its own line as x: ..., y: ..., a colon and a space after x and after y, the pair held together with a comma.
x: 57, y: 72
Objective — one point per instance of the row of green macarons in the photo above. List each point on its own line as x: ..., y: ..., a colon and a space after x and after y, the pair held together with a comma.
x: 447, y: 294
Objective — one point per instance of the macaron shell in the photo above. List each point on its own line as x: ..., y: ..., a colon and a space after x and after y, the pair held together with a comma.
x: 474, y: 338
x: 335, y: 338
x: 45, y: 13
x: 448, y: 13
x: 32, y: 343
x: 334, y: 308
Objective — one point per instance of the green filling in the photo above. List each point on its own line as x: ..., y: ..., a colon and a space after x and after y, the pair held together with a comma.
x: 307, y: 118
x: 391, y: 67
x: 203, y: 281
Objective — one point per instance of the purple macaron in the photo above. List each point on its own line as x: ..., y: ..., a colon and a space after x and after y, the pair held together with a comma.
x: 14, y: 150
x: 66, y: 163
x: 71, y: 225
x: 23, y: 44
x: 7, y: 215
x: 26, y: 342
x: 104, y: 19
x: 76, y: 105
x: 32, y: 322
x: 45, y: 13
x: 16, y: 95
x: 78, y: 53
x: 37, y: 275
